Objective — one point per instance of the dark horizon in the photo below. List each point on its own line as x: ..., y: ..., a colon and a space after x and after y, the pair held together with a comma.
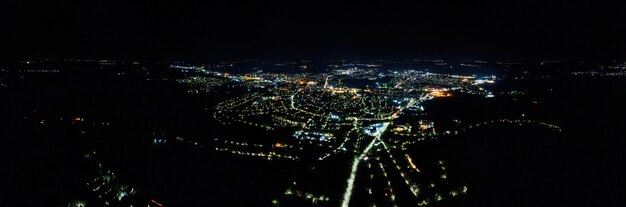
x: 535, y: 30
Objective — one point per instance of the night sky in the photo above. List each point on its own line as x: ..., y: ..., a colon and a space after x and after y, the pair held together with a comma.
x: 159, y: 29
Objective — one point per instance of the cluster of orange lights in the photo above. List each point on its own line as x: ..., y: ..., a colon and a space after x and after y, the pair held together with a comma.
x: 251, y: 78
x: 344, y: 90
x: 302, y: 82
x: 155, y: 203
x: 439, y: 94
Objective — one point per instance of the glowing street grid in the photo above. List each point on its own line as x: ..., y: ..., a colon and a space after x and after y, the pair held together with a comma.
x: 327, y: 118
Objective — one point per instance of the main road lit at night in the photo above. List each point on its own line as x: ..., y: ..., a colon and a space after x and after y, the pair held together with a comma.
x: 355, y: 164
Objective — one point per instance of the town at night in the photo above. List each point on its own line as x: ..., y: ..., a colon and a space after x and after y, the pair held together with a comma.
x: 388, y: 104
